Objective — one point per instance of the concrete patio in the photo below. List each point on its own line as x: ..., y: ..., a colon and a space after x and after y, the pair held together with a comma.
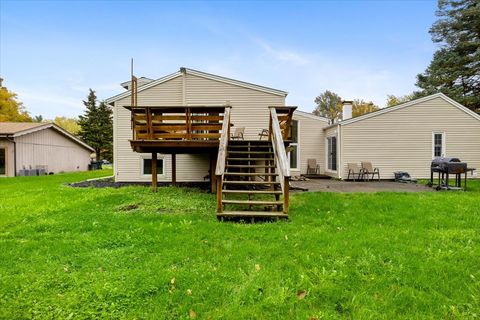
x: 330, y: 185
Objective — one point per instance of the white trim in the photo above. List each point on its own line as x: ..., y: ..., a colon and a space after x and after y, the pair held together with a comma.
x: 144, y: 87
x: 444, y: 143
x: 408, y: 104
x: 301, y: 113
x: 149, y: 157
x: 236, y: 82
x: 145, y: 80
x: 297, y: 144
x: 327, y: 169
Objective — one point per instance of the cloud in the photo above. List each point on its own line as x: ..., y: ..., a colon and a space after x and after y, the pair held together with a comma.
x: 282, y: 54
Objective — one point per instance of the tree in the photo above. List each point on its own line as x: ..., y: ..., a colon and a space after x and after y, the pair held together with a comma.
x: 38, y: 118
x: 96, y: 127
x: 360, y: 107
x: 10, y: 108
x: 69, y: 124
x: 393, y: 100
x: 455, y: 67
x: 329, y: 105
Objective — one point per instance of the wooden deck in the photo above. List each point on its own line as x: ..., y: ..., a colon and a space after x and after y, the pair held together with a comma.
x: 176, y: 129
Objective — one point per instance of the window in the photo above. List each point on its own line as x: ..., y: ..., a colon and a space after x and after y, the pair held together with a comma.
x: 293, y: 154
x: 147, y: 166
x: 438, y: 146
x: 332, y: 153
x: 3, y: 162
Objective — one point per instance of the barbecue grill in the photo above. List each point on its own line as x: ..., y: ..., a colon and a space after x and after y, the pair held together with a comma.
x: 445, y: 166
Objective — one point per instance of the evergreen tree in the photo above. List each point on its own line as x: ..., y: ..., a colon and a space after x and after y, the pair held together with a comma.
x: 96, y: 127
x: 455, y: 67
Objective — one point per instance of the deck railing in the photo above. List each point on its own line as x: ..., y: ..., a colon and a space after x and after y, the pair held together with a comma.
x: 280, y: 130
x: 221, y: 157
x: 177, y: 122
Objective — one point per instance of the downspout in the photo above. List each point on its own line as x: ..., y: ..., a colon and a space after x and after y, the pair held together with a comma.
x: 339, y: 153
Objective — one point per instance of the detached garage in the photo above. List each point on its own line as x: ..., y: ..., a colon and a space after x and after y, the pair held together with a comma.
x: 38, y: 148
x: 405, y: 138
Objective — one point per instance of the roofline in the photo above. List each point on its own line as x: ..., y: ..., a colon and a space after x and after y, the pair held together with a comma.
x: 310, y: 115
x: 235, y: 82
x: 55, y: 127
x: 123, y: 84
x: 144, y: 87
x: 199, y: 74
x: 408, y: 104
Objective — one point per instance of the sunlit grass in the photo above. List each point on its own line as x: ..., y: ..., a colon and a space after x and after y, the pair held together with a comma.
x: 128, y: 253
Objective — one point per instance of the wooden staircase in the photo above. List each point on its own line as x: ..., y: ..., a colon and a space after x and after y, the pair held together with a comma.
x: 253, y: 175
x: 250, y: 186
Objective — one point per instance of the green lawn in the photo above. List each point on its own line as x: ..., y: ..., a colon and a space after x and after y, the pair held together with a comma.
x: 127, y: 253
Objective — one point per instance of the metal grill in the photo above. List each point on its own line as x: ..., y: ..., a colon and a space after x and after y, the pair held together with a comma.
x: 446, y: 166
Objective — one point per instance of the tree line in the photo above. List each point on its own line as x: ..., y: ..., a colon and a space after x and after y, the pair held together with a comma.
x: 454, y: 69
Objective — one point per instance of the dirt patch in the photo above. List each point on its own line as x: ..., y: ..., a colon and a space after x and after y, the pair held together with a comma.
x: 129, y: 207
x: 110, y: 183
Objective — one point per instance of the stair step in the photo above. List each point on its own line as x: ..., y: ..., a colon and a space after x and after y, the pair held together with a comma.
x: 246, y: 146
x: 253, y: 202
x: 253, y: 191
x: 248, y: 166
x: 250, y: 182
x: 250, y: 152
x: 251, y: 174
x: 253, y: 214
x: 249, y: 159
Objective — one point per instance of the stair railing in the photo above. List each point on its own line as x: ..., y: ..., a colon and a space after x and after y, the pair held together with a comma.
x: 280, y: 156
x: 222, y: 155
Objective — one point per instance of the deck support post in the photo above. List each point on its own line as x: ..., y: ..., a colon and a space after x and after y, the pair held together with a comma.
x: 213, y: 177
x: 154, y: 172
x: 174, y: 169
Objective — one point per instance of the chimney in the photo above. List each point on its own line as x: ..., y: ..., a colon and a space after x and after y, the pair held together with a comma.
x: 346, y: 110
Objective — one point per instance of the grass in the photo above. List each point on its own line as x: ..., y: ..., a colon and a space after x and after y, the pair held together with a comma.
x: 126, y: 253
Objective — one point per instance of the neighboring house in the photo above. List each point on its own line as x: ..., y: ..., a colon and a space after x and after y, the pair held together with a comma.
x: 189, y: 87
x: 405, y: 137
x: 25, y: 146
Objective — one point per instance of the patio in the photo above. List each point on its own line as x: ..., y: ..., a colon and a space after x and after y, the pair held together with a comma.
x: 330, y: 185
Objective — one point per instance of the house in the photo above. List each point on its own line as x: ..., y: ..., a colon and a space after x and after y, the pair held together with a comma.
x: 28, y: 148
x: 181, y: 128
x: 189, y: 87
x: 405, y: 137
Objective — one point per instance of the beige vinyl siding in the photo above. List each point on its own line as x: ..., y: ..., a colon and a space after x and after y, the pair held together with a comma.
x: 49, y: 148
x: 9, y: 154
x: 249, y: 109
x: 402, y: 139
x: 311, y: 142
x: 249, y: 106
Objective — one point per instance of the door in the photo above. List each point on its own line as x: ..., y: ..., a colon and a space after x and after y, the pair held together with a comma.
x: 3, y: 162
x: 332, y: 153
x: 293, y: 154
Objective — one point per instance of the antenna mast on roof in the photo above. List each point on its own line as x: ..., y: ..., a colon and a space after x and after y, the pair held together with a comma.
x: 133, y: 87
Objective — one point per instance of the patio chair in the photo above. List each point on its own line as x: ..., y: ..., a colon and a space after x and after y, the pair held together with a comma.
x: 263, y: 133
x: 313, y: 167
x: 238, y: 133
x: 355, y: 170
x: 370, y: 170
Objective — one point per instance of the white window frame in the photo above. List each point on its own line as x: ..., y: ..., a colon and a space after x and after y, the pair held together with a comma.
x: 327, y: 169
x: 149, y: 157
x: 297, y: 144
x: 444, y: 143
